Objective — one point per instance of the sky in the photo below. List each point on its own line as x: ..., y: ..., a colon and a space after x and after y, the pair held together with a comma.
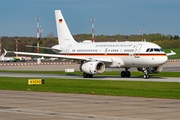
x: 128, y: 17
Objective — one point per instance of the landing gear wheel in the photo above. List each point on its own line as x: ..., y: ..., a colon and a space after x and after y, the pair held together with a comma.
x: 85, y: 75
x: 128, y: 74
x: 123, y: 74
x: 146, y: 76
x: 146, y: 73
x: 90, y: 75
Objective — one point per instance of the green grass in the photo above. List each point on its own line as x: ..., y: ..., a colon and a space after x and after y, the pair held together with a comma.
x: 100, y: 87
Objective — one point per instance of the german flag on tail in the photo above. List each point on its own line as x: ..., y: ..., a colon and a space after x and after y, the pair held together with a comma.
x: 60, y: 20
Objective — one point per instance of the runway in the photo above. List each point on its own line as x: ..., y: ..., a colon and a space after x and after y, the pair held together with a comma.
x: 29, y: 105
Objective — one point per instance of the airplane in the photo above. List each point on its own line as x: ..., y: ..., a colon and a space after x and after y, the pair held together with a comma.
x: 95, y: 57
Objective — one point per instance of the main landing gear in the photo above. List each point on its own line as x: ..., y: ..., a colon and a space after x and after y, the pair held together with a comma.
x: 85, y: 75
x: 125, y: 73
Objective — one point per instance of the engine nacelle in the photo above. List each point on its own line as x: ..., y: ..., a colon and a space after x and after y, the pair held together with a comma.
x: 152, y: 70
x: 95, y: 67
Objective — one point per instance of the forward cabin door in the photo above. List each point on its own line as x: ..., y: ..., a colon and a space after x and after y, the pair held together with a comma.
x: 106, y: 51
x: 137, y: 51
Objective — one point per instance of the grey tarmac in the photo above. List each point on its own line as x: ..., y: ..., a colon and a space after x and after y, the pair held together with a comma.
x: 96, y: 77
x: 169, y: 66
x: 27, y: 105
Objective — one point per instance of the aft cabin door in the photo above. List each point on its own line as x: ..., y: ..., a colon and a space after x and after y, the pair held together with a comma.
x: 137, y: 50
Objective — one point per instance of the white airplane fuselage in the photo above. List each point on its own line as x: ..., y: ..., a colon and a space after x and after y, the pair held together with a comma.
x: 123, y: 54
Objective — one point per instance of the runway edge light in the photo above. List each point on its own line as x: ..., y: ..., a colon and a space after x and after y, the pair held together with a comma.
x: 36, y: 81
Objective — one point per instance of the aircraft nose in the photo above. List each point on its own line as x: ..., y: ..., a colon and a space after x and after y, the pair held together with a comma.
x: 164, y: 59
x: 159, y: 60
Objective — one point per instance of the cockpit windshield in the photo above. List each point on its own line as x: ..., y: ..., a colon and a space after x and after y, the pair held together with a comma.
x: 154, y: 50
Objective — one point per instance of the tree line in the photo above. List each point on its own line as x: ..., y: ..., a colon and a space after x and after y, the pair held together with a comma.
x: 9, y: 43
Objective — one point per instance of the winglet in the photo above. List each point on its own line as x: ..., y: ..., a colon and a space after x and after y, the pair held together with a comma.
x: 3, y: 55
x: 172, y: 53
x: 5, y: 51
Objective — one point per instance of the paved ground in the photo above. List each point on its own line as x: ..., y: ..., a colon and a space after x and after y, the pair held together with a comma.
x: 18, y: 105
x: 96, y: 77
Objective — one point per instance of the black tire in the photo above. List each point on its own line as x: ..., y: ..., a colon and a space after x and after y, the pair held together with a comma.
x: 146, y: 76
x: 85, y: 75
x: 128, y: 74
x: 123, y: 74
x: 90, y: 75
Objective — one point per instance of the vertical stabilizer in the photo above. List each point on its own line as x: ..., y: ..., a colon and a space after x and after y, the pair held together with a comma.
x: 63, y: 32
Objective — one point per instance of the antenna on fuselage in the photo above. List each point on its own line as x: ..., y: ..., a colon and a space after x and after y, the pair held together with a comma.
x: 142, y: 31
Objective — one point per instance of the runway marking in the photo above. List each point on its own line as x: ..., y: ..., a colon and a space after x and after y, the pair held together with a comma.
x: 65, y: 115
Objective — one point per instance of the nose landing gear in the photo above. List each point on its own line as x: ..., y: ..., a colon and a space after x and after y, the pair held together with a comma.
x: 146, y: 73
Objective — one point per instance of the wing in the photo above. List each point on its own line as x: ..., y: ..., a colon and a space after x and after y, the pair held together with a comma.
x: 62, y: 56
x: 171, y: 53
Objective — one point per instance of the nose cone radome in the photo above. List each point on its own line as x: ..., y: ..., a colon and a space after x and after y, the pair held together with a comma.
x: 163, y: 60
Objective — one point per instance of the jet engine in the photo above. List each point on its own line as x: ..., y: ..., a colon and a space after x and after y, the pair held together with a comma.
x: 94, y: 67
x: 151, y: 70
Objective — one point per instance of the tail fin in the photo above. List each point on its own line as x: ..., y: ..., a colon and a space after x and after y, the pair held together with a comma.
x: 63, y: 32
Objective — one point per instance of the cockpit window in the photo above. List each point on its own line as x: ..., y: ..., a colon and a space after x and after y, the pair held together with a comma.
x: 161, y: 50
x: 147, y: 50
x: 151, y: 50
x: 154, y: 50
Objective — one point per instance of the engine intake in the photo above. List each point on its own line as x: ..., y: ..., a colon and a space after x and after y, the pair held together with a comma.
x: 96, y: 67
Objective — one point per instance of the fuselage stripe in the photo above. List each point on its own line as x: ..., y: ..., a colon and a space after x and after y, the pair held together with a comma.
x: 114, y: 54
